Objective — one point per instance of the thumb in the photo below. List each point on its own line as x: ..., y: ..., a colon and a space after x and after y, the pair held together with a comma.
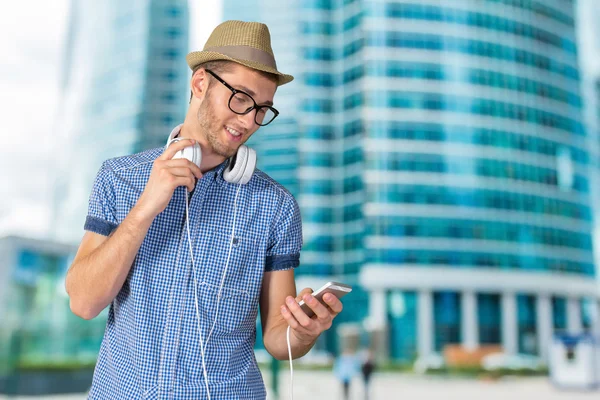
x: 302, y: 293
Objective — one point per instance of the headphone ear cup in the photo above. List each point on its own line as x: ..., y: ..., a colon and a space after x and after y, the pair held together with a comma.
x: 192, y: 153
x: 170, y: 142
x: 250, y: 166
x: 233, y: 172
x: 242, y: 170
x: 173, y: 136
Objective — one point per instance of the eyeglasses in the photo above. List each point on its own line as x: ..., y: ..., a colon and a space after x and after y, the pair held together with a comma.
x: 242, y: 103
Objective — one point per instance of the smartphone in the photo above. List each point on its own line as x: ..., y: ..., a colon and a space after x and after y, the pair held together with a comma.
x: 336, y: 288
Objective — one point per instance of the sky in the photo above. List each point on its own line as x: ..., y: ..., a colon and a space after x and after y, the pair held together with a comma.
x: 31, y: 43
x: 588, y: 15
x: 32, y: 36
x: 28, y: 72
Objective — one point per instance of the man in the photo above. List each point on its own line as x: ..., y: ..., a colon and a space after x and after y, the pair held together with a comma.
x: 178, y: 326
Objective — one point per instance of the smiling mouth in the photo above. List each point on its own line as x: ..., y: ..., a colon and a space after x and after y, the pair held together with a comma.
x: 234, y: 135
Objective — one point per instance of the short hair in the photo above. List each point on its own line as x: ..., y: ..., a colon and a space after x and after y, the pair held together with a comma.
x: 219, y: 66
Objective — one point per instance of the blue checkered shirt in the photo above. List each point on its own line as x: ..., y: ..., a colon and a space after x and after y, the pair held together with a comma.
x: 151, y: 347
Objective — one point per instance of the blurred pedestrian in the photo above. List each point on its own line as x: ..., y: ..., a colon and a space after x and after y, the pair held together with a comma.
x: 367, y: 369
x: 345, y: 368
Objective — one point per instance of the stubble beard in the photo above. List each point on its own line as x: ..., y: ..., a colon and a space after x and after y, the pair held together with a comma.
x: 212, y: 128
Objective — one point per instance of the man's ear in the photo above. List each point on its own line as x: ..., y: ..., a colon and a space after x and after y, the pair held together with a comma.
x: 199, y: 83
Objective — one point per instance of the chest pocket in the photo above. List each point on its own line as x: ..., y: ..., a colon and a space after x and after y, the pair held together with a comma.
x: 238, y: 303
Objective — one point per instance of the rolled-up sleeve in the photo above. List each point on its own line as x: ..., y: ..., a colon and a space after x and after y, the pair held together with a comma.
x: 285, y: 238
x: 101, y: 216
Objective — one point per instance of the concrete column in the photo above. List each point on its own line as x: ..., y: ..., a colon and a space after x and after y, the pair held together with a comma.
x: 509, y: 323
x: 544, y: 325
x: 377, y: 308
x: 425, y: 321
x: 595, y: 311
x: 377, y: 324
x: 574, y: 324
x: 469, y: 326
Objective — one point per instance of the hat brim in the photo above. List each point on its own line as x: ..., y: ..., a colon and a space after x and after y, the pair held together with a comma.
x: 196, y: 58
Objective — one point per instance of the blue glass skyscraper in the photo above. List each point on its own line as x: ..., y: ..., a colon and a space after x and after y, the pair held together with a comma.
x: 331, y: 147
x: 332, y: 191
x: 478, y: 195
x: 125, y: 85
x: 445, y: 169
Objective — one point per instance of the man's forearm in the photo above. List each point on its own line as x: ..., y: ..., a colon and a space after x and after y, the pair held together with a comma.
x: 276, y: 343
x: 95, y: 280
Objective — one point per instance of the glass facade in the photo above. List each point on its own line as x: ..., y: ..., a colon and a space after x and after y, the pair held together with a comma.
x: 445, y: 135
x: 559, y: 314
x: 331, y: 156
x: 402, y: 316
x: 511, y: 98
x: 472, y: 106
x: 527, y: 324
x: 535, y: 110
x: 125, y: 85
x: 447, y: 317
x: 38, y: 327
x: 587, y: 313
x: 489, y: 318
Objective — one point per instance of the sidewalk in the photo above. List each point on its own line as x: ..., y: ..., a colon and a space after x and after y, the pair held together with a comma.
x: 385, y: 386
x: 322, y: 385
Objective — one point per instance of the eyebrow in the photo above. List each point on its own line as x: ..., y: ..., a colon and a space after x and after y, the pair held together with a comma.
x: 251, y: 93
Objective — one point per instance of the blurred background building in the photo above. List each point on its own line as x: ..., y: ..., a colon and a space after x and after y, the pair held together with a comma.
x: 444, y: 155
x: 588, y: 14
x: 476, y: 171
x: 125, y: 83
x: 444, y: 161
x: 38, y: 326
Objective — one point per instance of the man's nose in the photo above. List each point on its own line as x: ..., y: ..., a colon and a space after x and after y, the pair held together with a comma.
x: 248, y: 120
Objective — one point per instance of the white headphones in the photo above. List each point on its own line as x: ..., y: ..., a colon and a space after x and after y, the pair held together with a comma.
x: 239, y: 171
x: 241, y: 165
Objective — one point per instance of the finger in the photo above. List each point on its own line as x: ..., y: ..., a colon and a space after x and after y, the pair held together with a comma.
x: 319, y: 309
x: 289, y: 318
x: 302, y: 293
x: 185, y: 163
x: 190, y: 183
x: 175, y: 147
x: 181, y: 171
x: 333, y: 302
x: 303, y: 319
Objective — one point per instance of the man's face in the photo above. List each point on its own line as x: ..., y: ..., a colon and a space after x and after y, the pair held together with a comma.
x: 224, y: 130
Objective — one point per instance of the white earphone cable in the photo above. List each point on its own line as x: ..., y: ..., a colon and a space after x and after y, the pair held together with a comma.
x: 187, y: 223
x: 289, y: 346
x: 227, y: 263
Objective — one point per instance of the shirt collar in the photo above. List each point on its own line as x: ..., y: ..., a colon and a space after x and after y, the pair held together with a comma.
x: 218, y: 171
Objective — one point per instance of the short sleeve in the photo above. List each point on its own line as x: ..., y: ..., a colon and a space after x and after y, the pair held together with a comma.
x: 285, y: 238
x: 101, y: 216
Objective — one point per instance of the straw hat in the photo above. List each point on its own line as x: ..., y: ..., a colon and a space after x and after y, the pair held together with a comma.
x: 246, y: 43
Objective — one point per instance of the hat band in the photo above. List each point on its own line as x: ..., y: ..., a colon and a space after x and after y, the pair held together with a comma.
x: 246, y: 53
